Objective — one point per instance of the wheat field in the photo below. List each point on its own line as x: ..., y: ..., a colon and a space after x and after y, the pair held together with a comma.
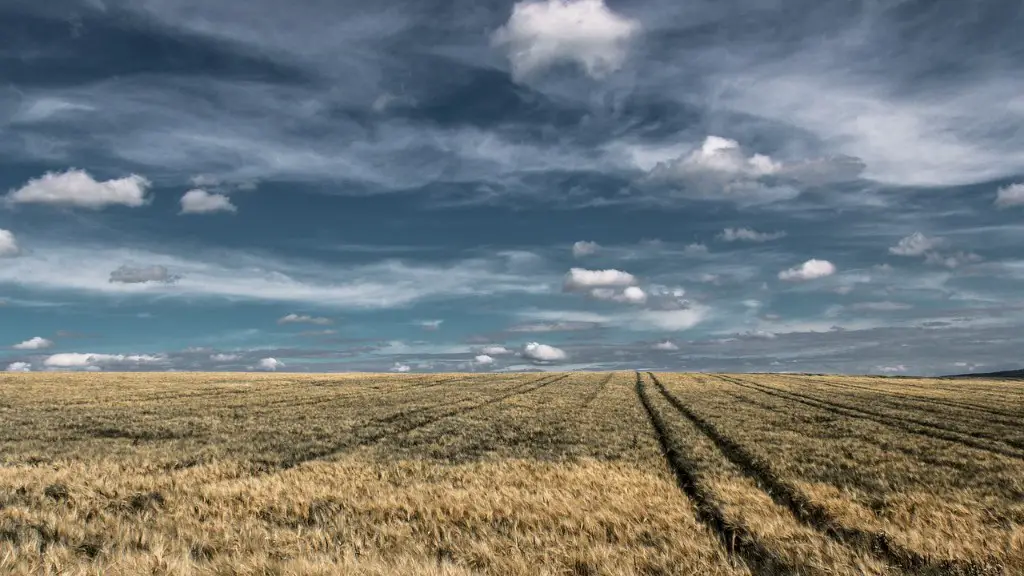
x: 520, y: 474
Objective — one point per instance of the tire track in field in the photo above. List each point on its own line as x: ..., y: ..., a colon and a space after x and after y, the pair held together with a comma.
x: 896, y: 398
x: 929, y: 431
x: 907, y: 415
x: 736, y: 539
x: 597, y: 391
x: 810, y: 513
x: 517, y: 390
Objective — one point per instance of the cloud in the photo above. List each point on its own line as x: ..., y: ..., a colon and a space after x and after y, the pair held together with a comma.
x: 202, y: 202
x: 721, y: 170
x: 748, y: 235
x: 664, y: 320
x: 76, y: 188
x: 631, y: 295
x: 916, y: 244
x: 483, y: 359
x: 952, y: 260
x: 304, y: 319
x: 140, y: 275
x: 270, y: 364
x: 809, y: 270
x: 495, y: 350
x: 1010, y: 195
x: 430, y: 324
x: 94, y: 361
x: 543, y: 353
x: 666, y: 345
x: 578, y: 279
x: 884, y: 306
x: 231, y: 274
x: 399, y: 367
x: 540, y: 34
x: 34, y: 343
x: 584, y: 248
x: 695, y: 249
x: 8, y: 244
x: 892, y: 369
x: 19, y: 367
x: 224, y: 357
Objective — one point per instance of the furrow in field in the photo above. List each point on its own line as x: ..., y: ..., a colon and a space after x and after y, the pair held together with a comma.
x: 878, y: 544
x: 931, y: 432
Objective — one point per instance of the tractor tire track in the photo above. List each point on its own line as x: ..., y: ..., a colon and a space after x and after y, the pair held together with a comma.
x: 597, y: 391
x: 897, y: 399
x: 736, y: 538
x: 881, y: 545
x: 929, y: 431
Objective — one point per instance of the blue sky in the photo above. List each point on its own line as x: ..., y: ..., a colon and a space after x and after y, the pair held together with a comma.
x: 437, y: 186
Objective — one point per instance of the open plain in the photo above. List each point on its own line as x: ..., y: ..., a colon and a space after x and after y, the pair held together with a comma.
x: 538, y: 473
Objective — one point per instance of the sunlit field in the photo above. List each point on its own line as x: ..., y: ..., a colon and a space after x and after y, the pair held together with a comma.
x: 524, y: 474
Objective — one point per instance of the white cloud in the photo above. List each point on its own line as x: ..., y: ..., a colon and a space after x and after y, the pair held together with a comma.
x: 695, y: 249
x: 721, y: 169
x: 304, y: 319
x: 543, y: 352
x: 19, y: 367
x: 1011, y: 195
x: 270, y: 364
x: 809, y: 270
x: 126, y: 274
x: 8, y: 244
x: 666, y: 345
x: 34, y: 343
x: 631, y: 295
x: 884, y: 306
x: 495, y: 350
x: 78, y: 189
x: 665, y: 320
x: 953, y: 260
x: 584, y: 248
x: 581, y: 279
x: 224, y: 357
x: 915, y: 245
x: 430, y: 324
x: 94, y: 361
x: 892, y: 369
x: 202, y: 202
x: 483, y: 359
x: 748, y: 235
x: 399, y: 367
x: 244, y: 276
x: 540, y: 34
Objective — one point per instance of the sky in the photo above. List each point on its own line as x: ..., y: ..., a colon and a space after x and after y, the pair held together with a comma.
x: 331, y: 185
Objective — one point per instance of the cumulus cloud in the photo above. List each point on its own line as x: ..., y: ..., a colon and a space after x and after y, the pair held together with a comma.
x: 630, y: 295
x: 540, y: 34
x: 721, y: 169
x: 8, y: 244
x: 1011, y: 195
x: 399, y: 367
x: 892, y: 369
x: 35, y: 343
x: 584, y: 248
x: 543, y: 353
x: 94, y: 361
x: 667, y: 345
x: 916, y: 244
x: 495, y: 350
x: 19, y: 367
x: 483, y: 359
x: 749, y: 235
x: 224, y: 357
x: 126, y: 274
x: 579, y: 279
x: 809, y: 270
x: 76, y: 188
x: 304, y: 319
x: 665, y: 320
x: 200, y: 201
x: 270, y: 364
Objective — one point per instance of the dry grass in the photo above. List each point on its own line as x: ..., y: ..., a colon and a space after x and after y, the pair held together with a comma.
x: 516, y: 474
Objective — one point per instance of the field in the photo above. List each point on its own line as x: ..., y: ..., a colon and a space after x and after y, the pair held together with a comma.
x: 521, y: 474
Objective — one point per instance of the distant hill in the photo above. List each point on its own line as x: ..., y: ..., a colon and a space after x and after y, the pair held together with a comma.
x: 1003, y: 374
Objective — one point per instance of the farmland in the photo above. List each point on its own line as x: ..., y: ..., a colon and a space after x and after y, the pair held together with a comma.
x: 542, y: 473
